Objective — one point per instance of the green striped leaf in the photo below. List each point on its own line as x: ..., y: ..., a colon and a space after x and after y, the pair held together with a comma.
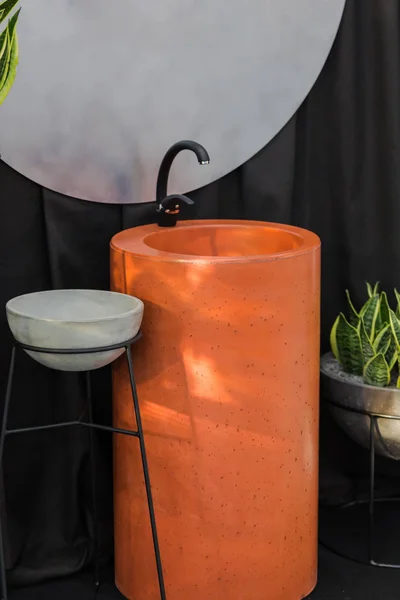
x: 396, y: 293
x: 3, y: 43
x: 367, y: 348
x: 10, y: 66
x: 393, y: 362
x: 5, y: 57
x: 6, y: 7
x: 377, y: 371
x: 395, y: 326
x: 384, y: 309
x: 354, y: 317
x: 385, y: 346
x: 333, y: 339
x: 379, y: 324
x: 382, y: 340
x: 345, y: 340
x: 392, y: 355
x: 369, y: 314
x: 372, y: 290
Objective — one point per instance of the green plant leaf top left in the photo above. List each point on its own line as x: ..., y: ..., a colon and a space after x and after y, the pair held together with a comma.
x: 9, y: 53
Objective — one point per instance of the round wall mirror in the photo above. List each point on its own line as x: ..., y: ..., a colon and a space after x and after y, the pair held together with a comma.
x: 104, y: 88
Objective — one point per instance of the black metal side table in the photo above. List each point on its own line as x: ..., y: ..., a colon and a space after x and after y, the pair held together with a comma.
x: 371, y: 501
x: 91, y: 426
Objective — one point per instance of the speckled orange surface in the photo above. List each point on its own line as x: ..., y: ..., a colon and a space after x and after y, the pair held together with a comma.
x: 228, y: 382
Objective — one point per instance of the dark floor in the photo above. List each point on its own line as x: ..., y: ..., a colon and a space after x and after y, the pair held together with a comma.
x: 339, y: 579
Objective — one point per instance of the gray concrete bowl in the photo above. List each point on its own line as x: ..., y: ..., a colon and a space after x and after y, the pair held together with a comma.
x: 74, y: 319
x: 349, y: 393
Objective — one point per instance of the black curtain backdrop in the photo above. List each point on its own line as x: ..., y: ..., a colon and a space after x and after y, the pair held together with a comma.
x: 334, y: 169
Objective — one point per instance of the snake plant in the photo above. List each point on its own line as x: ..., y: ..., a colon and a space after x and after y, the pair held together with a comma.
x: 367, y: 342
x: 8, y: 47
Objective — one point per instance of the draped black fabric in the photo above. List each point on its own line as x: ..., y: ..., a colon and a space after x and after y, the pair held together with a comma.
x: 334, y: 169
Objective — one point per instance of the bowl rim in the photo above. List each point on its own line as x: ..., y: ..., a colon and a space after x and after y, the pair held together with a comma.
x: 327, y: 356
x: 138, y: 309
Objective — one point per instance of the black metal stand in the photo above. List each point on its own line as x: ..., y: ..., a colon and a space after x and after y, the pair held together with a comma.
x: 372, y: 500
x: 4, y: 432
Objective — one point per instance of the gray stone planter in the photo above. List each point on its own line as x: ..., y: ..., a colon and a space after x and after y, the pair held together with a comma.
x: 352, y: 403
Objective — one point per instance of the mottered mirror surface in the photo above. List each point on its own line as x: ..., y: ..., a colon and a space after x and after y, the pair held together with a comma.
x: 104, y: 88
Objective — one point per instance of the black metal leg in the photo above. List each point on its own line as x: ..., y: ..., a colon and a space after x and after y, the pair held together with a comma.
x: 3, y: 432
x: 93, y: 480
x: 146, y: 475
x: 371, y: 531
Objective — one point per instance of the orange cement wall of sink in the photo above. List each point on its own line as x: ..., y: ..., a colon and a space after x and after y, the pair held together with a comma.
x: 228, y: 383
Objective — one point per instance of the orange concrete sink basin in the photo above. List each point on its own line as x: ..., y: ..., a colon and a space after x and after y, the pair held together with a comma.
x: 215, y: 240
x: 228, y: 381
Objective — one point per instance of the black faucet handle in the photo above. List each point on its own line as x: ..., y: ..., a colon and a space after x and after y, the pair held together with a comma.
x: 169, y: 208
x: 174, y: 201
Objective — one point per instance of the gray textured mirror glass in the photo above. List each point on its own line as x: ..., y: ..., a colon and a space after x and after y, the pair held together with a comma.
x: 104, y: 88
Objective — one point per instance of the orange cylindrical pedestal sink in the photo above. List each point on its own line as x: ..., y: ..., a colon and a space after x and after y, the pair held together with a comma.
x: 228, y: 382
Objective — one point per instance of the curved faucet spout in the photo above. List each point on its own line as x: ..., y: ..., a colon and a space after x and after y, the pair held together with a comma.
x: 165, y: 167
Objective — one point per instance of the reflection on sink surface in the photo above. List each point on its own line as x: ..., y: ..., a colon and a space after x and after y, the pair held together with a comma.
x: 220, y: 239
x: 225, y: 240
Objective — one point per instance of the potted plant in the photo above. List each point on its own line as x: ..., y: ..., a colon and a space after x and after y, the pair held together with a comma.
x: 360, y: 377
x: 8, y: 47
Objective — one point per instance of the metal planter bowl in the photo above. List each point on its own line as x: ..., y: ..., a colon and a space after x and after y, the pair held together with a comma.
x: 74, y: 319
x: 347, y: 393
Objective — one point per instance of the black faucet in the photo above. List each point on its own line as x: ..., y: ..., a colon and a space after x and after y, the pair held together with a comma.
x: 168, y: 207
